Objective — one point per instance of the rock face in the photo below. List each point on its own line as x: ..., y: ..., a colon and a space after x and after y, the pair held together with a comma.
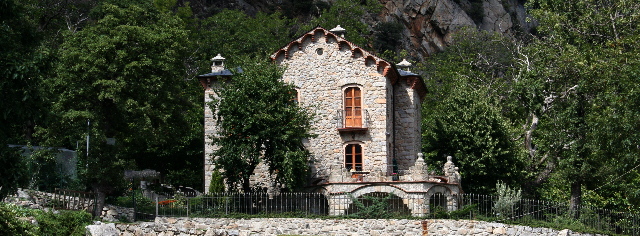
x: 429, y: 24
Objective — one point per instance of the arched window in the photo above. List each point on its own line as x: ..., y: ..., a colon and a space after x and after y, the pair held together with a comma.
x: 353, y: 157
x: 352, y: 107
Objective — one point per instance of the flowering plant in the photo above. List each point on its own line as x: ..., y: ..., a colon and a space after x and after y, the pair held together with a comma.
x: 166, y: 202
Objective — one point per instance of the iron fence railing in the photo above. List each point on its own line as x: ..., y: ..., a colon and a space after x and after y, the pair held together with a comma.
x: 74, y: 200
x: 383, y: 205
x: 353, y: 118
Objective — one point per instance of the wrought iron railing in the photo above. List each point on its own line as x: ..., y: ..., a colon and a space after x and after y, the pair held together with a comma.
x: 353, y: 119
x: 383, y: 205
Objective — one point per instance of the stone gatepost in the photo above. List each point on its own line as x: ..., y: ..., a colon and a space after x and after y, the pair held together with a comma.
x: 419, y: 171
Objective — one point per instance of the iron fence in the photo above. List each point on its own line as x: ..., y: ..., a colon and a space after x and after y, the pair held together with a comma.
x: 74, y: 200
x: 383, y: 205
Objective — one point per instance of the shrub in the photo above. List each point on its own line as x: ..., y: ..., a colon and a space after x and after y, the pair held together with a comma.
x: 505, y: 206
x: 10, y: 225
x: 64, y: 223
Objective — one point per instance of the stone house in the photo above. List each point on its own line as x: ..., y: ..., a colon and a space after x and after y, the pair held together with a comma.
x: 367, y: 120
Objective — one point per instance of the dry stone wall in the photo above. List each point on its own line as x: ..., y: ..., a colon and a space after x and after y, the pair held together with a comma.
x: 298, y: 226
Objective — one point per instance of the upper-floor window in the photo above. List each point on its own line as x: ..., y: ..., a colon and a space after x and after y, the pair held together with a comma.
x: 352, y: 107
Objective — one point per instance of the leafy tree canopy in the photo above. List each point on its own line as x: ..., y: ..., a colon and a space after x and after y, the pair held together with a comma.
x: 260, y: 122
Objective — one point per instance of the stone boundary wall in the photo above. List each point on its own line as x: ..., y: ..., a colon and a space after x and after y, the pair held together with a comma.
x: 116, y: 213
x: 167, y: 226
x: 40, y: 200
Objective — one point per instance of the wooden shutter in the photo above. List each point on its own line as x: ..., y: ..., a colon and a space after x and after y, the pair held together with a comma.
x: 353, y: 157
x: 352, y: 107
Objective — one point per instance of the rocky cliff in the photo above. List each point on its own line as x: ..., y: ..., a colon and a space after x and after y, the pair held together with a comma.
x: 427, y: 24
x: 430, y: 23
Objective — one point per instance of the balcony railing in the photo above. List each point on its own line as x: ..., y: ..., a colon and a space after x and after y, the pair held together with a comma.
x: 353, y: 120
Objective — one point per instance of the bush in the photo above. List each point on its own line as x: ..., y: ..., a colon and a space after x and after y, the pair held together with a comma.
x: 64, y: 223
x: 505, y: 206
x: 10, y: 225
x: 71, y: 223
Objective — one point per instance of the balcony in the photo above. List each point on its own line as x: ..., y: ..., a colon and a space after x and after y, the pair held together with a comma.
x: 353, y: 120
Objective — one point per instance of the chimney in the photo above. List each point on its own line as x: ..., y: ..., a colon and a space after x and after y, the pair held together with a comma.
x: 218, y: 64
x: 339, y: 31
x: 404, y: 65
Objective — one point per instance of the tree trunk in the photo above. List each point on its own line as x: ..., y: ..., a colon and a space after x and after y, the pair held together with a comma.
x: 576, y: 198
x: 246, y: 184
x: 100, y: 196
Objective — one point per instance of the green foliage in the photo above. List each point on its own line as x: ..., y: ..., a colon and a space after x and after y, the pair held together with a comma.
x: 348, y: 14
x: 71, y: 223
x: 374, y: 207
x: 234, y: 35
x: 14, y: 173
x: 131, y: 196
x: 184, y: 177
x: 21, y: 68
x: 505, y: 206
x: 471, y: 128
x: 260, y: 123
x: 124, y: 73
x: 217, y: 183
x: 583, y: 82
x: 387, y: 36
x: 10, y: 224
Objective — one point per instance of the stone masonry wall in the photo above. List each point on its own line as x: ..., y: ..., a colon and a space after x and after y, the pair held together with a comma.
x: 407, y: 125
x: 298, y: 226
x: 210, y: 129
x: 321, y: 70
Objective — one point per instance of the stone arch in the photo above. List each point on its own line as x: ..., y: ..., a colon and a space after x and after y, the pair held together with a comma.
x: 382, y: 67
x: 330, y: 38
x: 293, y: 48
x: 357, y: 53
x: 344, y: 46
x: 436, y: 192
x: 306, y: 40
x: 317, y: 34
x: 380, y: 188
x: 414, y: 202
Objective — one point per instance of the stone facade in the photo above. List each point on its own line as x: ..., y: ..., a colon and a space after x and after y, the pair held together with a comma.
x: 367, y: 120
x: 297, y: 226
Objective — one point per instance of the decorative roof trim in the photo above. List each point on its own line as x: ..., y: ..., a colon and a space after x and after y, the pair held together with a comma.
x: 339, y: 40
x: 386, y: 68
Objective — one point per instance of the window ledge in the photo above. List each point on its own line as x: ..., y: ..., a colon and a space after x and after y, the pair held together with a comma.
x: 353, y: 129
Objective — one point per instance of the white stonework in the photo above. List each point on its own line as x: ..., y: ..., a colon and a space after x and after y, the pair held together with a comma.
x: 322, y: 66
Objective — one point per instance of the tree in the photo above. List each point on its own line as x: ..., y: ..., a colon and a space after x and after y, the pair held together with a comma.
x: 19, y: 92
x: 583, y: 82
x: 260, y: 122
x: 465, y: 113
x: 348, y: 14
x: 232, y: 32
x: 122, y: 77
x: 469, y: 126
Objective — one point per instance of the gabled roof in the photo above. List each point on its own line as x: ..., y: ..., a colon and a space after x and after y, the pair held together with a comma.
x: 342, y: 42
x: 387, y: 68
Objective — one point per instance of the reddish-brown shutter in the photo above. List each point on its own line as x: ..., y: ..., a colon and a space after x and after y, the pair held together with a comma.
x: 353, y: 157
x: 352, y: 107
